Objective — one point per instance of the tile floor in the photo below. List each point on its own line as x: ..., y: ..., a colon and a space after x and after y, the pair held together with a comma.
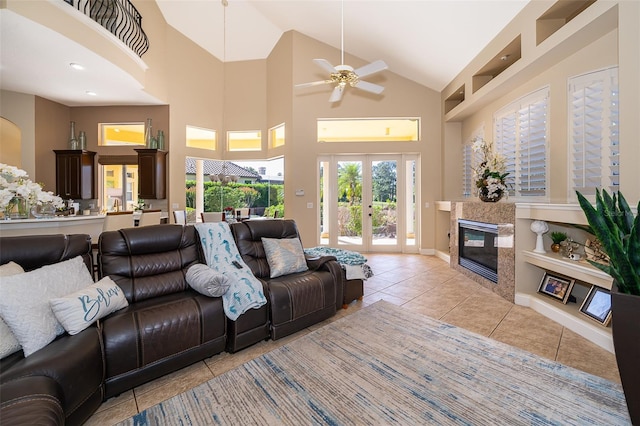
x: 424, y: 284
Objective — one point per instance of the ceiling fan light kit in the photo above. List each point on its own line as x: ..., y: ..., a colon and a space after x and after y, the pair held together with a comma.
x: 343, y: 75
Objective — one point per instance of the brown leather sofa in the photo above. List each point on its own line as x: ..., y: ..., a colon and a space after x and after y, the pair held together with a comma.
x: 166, y: 326
x: 297, y: 300
x: 62, y: 382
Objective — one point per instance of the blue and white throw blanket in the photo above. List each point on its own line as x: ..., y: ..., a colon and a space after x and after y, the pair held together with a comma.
x: 352, y: 262
x: 220, y: 250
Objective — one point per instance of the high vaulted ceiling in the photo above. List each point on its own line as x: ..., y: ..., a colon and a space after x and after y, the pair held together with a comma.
x: 427, y: 41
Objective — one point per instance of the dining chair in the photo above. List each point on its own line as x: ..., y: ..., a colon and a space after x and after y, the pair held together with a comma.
x: 117, y: 220
x: 150, y: 217
x: 180, y: 217
x: 212, y: 217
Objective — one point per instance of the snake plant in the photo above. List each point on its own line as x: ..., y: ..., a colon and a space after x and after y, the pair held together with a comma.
x: 613, y: 223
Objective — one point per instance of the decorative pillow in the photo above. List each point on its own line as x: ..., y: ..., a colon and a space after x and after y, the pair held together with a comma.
x: 8, y: 342
x: 79, y: 310
x: 284, y: 256
x: 24, y: 301
x: 206, y: 281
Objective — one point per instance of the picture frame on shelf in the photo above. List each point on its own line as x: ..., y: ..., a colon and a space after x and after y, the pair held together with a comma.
x: 597, y: 305
x: 557, y: 287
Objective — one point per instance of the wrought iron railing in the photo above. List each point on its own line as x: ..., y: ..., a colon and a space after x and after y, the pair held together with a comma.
x: 119, y: 17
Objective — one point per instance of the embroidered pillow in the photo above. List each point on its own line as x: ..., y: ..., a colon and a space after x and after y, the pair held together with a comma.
x: 79, y: 310
x: 24, y: 301
x: 284, y: 256
x: 206, y: 281
x: 8, y: 342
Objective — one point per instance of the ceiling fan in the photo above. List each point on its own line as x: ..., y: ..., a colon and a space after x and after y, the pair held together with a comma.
x: 343, y: 75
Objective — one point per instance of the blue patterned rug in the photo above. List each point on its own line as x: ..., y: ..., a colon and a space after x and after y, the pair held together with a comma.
x: 386, y: 365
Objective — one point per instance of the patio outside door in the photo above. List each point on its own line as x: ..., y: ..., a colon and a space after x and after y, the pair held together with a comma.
x: 368, y: 202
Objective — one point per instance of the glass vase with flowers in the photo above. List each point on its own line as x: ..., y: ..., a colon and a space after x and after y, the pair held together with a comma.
x: 489, y: 171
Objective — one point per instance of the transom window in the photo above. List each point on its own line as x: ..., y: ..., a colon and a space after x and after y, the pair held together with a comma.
x: 368, y: 130
x: 121, y: 134
x: 199, y: 137
x: 244, y: 140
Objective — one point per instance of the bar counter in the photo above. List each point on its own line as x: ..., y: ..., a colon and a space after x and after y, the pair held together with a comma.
x: 91, y: 225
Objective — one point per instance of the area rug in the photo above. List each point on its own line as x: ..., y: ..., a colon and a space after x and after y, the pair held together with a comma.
x: 387, y: 365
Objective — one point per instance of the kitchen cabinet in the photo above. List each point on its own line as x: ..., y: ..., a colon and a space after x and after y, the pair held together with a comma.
x: 152, y: 173
x: 75, y: 174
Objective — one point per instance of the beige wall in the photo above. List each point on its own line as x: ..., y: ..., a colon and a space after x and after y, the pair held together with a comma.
x: 19, y: 108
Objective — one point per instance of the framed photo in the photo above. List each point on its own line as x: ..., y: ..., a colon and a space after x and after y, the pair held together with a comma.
x: 597, y: 305
x: 556, y: 286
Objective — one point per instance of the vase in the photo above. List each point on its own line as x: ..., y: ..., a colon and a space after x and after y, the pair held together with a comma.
x: 73, y: 142
x: 16, y: 209
x: 625, y: 313
x: 487, y: 199
x: 555, y: 247
x: 43, y: 211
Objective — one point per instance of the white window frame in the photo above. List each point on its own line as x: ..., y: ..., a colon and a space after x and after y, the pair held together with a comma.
x: 511, y: 143
x: 600, y: 136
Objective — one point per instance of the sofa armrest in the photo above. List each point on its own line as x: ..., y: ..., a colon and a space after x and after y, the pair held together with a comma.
x: 329, y: 263
x: 34, y: 400
x: 316, y: 262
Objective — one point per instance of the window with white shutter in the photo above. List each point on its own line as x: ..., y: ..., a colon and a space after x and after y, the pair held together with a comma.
x: 594, y: 160
x: 521, y: 133
x: 469, y: 158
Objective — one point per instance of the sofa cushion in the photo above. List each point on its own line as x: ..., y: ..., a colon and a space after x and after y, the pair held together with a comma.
x: 205, y: 280
x: 8, y: 342
x: 24, y: 301
x: 284, y: 255
x: 77, y: 311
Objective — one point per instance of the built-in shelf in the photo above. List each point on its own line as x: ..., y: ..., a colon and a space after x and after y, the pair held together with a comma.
x: 580, y: 270
x: 498, y: 64
x: 569, y: 316
x: 558, y: 16
x: 455, y: 99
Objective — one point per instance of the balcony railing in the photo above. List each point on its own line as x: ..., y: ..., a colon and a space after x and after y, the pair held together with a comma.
x: 119, y: 17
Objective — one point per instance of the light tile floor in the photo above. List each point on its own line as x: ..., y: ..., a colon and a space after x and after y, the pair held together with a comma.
x: 424, y: 284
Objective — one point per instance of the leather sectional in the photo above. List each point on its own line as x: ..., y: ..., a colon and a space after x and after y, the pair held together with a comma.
x: 166, y: 326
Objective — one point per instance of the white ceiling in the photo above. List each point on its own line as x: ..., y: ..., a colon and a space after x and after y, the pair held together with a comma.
x: 427, y: 41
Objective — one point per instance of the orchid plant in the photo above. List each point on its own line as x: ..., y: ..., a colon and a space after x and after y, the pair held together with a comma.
x: 15, y: 184
x: 488, y: 170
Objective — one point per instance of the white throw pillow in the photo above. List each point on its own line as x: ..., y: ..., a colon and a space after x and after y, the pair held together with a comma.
x: 8, y: 342
x: 284, y: 256
x: 207, y: 281
x: 24, y: 301
x: 79, y: 310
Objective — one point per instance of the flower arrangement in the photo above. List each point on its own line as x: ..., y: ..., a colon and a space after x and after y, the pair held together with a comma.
x: 15, y: 186
x: 489, y: 172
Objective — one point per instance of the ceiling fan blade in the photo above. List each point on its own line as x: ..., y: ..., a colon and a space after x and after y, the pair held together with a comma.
x: 369, y: 87
x: 336, y: 95
x: 371, y: 68
x: 313, y: 83
x: 325, y: 65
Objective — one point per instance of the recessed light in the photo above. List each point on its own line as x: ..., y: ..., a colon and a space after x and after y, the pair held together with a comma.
x: 504, y: 58
x: 90, y: 93
x: 76, y: 66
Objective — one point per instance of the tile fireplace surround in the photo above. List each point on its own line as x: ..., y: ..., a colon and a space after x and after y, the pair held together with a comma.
x: 504, y: 215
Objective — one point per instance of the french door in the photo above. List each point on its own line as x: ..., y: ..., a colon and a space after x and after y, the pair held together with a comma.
x: 368, y: 202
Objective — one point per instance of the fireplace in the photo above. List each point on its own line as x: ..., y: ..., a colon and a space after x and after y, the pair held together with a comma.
x: 478, y: 248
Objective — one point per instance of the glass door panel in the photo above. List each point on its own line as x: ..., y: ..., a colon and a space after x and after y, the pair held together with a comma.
x: 349, y: 202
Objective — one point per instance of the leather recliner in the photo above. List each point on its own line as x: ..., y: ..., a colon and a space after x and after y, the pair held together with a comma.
x: 296, y: 300
x: 46, y: 387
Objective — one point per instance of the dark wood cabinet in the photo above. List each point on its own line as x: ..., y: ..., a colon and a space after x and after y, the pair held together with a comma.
x: 152, y: 173
x: 75, y: 174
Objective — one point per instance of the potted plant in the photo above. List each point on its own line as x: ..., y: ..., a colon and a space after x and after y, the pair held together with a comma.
x: 557, y: 237
x: 614, y: 224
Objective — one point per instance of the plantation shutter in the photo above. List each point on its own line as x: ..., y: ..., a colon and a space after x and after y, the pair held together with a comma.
x: 594, y: 140
x: 469, y: 158
x: 506, y: 145
x: 532, y: 153
x: 521, y: 137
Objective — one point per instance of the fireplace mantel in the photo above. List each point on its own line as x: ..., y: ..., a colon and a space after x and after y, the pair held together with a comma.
x: 502, y: 214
